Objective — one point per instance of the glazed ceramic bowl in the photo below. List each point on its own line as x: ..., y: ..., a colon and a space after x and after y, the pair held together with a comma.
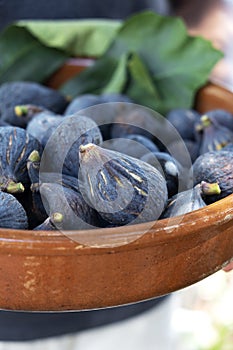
x: 49, y: 271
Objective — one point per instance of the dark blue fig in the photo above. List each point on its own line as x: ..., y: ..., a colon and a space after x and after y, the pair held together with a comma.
x: 180, y: 148
x: 61, y: 153
x: 50, y: 224
x: 42, y: 126
x: 133, y: 145
x: 169, y: 168
x: 213, y: 167
x: 21, y: 93
x: 121, y: 188
x: 25, y: 113
x: 184, y: 120
x: 16, y: 145
x: 12, y: 214
x: 82, y: 102
x: 228, y: 147
x: 75, y: 213
x: 114, y: 97
x: 213, y: 135
x: 222, y: 117
x: 132, y: 120
x: 190, y: 200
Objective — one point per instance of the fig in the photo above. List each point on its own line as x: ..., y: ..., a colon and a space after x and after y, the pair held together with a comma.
x: 42, y: 126
x: 178, y: 147
x: 114, y: 97
x: 169, y: 168
x: 61, y: 153
x: 74, y: 212
x: 222, y: 117
x: 213, y: 167
x: 184, y: 120
x: 25, y: 113
x: 133, y: 120
x: 190, y: 200
x: 21, y: 92
x: 121, y: 188
x: 16, y: 145
x: 214, y: 136
x: 133, y: 145
x: 12, y: 214
x: 81, y: 102
x: 50, y: 224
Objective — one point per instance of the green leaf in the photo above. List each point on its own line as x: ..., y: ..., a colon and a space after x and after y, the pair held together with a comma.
x: 23, y: 57
x: 165, y: 66
x: 89, y: 38
x: 92, y: 80
x: 141, y: 75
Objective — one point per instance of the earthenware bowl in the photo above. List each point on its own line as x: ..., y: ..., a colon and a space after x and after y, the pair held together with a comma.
x: 50, y: 271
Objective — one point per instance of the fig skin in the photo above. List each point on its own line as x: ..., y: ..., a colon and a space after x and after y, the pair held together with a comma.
x: 139, y: 189
x: 62, y: 149
x: 75, y: 212
x: 213, y: 135
x: 222, y: 117
x: 184, y: 120
x: 81, y: 102
x: 114, y: 97
x: 16, y: 145
x: 133, y: 145
x: 25, y: 113
x: 21, y: 93
x: 133, y: 120
x: 189, y: 200
x: 42, y: 126
x: 192, y: 148
x: 169, y: 168
x: 12, y: 213
x: 213, y: 167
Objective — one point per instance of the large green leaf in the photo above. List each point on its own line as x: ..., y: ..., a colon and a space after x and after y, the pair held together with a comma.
x: 23, y: 57
x: 82, y: 37
x: 165, y: 66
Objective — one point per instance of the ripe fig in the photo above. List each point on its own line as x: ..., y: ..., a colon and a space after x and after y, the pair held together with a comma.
x: 213, y: 167
x: 21, y: 92
x: 133, y: 120
x: 74, y: 211
x: 50, y: 224
x: 178, y: 147
x: 12, y: 214
x: 61, y: 153
x: 133, y: 145
x: 214, y: 136
x: 25, y: 113
x: 121, y: 188
x: 16, y: 145
x: 184, y: 120
x: 222, y: 117
x: 114, y: 97
x: 82, y: 102
x: 190, y: 200
x: 169, y: 168
x: 42, y: 126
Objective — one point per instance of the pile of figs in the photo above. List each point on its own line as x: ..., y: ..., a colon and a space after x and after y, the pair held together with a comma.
x: 102, y: 161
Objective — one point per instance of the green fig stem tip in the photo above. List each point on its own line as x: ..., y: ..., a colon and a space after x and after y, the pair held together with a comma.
x: 21, y: 110
x: 205, y: 120
x: 57, y: 218
x: 34, y: 156
x: 13, y: 187
x: 210, y: 189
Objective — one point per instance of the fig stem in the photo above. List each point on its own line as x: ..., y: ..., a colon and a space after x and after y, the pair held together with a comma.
x: 13, y: 187
x: 210, y: 189
x: 21, y: 110
x: 205, y: 121
x: 57, y: 218
x: 34, y: 156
